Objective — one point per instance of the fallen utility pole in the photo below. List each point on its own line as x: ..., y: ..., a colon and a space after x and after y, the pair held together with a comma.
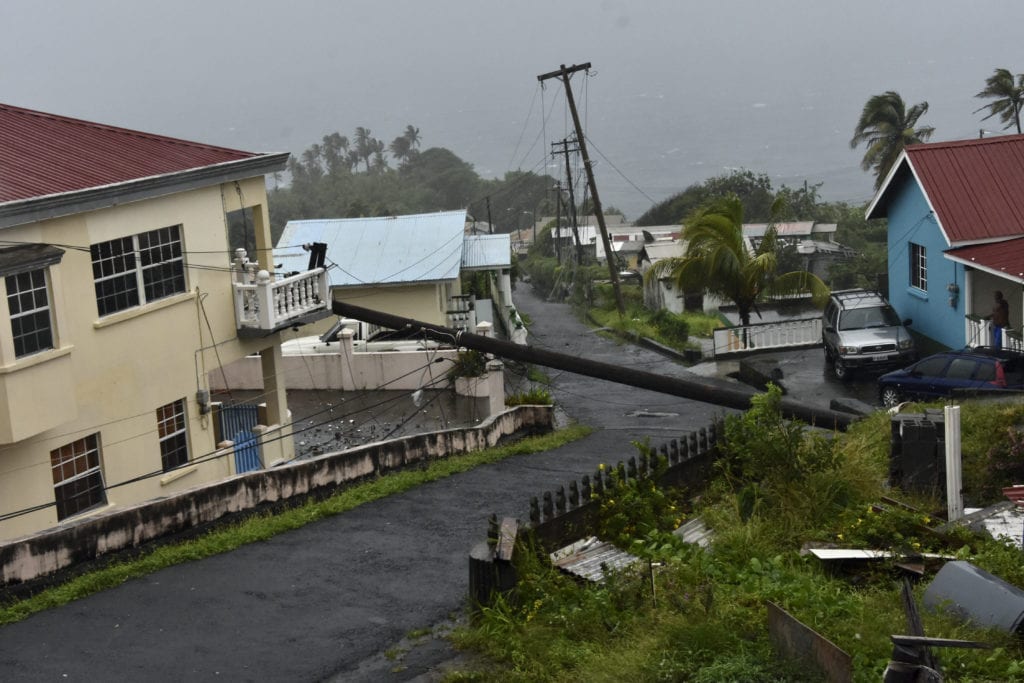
x: 706, y: 390
x: 613, y: 271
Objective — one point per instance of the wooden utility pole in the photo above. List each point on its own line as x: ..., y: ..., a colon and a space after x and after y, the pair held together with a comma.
x: 613, y: 272
x: 558, y: 221
x: 705, y: 389
x: 572, y: 197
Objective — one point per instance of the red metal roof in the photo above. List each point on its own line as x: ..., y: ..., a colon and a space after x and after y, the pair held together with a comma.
x: 1005, y: 257
x: 44, y: 154
x: 975, y: 186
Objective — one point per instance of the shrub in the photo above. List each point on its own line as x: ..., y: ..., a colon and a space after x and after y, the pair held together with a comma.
x: 470, y: 363
x: 533, y: 397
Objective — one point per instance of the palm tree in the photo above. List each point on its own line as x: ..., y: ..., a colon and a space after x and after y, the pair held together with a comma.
x: 1007, y: 96
x: 400, y: 148
x: 718, y: 261
x: 364, y: 145
x: 886, y: 126
x: 412, y: 134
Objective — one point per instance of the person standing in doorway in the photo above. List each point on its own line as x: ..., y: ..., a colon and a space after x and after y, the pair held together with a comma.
x: 1000, y: 318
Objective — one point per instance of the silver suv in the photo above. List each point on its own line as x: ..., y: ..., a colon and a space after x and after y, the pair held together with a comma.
x: 861, y: 330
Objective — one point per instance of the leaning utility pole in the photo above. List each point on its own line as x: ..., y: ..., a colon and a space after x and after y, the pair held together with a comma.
x: 572, y: 197
x: 564, y: 74
x: 704, y: 389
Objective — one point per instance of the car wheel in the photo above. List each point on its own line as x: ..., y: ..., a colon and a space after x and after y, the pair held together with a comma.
x: 828, y: 355
x: 891, y: 397
x: 840, y: 369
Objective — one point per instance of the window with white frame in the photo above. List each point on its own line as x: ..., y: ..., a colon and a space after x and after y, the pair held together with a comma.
x: 918, y: 267
x: 28, y: 301
x: 170, y: 420
x: 77, y: 476
x: 131, y: 271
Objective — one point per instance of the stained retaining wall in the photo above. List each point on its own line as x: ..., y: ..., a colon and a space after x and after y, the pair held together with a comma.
x: 62, y: 550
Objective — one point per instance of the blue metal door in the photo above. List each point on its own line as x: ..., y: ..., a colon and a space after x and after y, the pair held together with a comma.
x: 247, y: 452
x: 236, y: 424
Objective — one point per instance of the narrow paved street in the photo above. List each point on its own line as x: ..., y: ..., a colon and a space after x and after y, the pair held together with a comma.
x: 329, y: 601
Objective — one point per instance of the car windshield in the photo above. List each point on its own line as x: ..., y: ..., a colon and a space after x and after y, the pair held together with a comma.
x: 861, y: 318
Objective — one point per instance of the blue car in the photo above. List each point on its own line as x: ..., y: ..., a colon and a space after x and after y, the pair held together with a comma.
x: 938, y: 376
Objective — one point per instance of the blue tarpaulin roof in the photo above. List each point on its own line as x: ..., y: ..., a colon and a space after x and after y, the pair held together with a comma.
x: 386, y: 250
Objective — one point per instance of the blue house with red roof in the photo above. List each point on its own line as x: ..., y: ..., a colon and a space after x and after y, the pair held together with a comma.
x: 956, y: 236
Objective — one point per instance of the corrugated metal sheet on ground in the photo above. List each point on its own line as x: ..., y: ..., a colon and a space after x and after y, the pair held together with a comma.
x: 382, y: 250
x: 695, y: 531
x: 588, y: 559
x: 486, y: 252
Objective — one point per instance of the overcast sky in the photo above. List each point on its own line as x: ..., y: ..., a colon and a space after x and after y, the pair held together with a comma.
x: 681, y: 89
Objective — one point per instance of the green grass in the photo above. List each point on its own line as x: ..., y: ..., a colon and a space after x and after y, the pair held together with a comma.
x: 672, y: 330
x: 263, y: 527
x: 705, y: 620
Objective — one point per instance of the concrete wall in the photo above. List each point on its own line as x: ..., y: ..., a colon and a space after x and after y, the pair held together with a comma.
x: 85, y: 540
x: 345, y: 370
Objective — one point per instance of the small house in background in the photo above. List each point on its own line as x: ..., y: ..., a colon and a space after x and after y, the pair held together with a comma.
x: 956, y: 236
x: 409, y: 266
x: 812, y: 242
x: 664, y: 292
x: 402, y: 265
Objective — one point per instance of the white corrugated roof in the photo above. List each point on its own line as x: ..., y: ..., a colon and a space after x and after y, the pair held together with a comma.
x: 486, y: 252
x: 391, y: 249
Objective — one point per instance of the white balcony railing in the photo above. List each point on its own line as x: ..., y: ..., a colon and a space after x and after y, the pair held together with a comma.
x: 265, y: 304
x: 979, y: 333
x: 786, y: 334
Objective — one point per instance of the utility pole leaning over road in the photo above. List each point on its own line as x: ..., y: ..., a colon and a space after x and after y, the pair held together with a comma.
x: 564, y: 74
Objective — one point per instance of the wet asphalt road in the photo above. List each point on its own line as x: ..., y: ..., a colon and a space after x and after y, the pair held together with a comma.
x: 336, y: 599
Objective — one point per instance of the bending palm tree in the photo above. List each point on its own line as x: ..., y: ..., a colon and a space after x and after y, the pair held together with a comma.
x: 718, y: 261
x: 886, y: 126
x: 1007, y: 96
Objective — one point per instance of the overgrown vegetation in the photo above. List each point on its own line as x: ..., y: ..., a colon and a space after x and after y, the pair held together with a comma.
x: 699, y: 615
x: 468, y: 363
x: 671, y: 329
x: 537, y: 396
x: 262, y: 527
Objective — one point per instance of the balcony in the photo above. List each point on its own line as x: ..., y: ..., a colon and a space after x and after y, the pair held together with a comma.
x: 37, y: 393
x: 264, y: 305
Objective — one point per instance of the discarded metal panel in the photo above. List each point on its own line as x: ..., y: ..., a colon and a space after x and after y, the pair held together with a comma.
x: 589, y: 558
x: 795, y: 640
x: 839, y: 554
x: 695, y: 531
x: 975, y: 595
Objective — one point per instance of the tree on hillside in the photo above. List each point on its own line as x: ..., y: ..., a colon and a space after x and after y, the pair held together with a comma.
x: 754, y: 191
x: 400, y: 148
x: 366, y: 146
x: 717, y: 261
x: 335, y: 152
x: 1007, y: 98
x: 885, y: 127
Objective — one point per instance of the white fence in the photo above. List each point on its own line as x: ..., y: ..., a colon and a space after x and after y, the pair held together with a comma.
x: 979, y: 333
x: 777, y: 335
x: 267, y: 304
